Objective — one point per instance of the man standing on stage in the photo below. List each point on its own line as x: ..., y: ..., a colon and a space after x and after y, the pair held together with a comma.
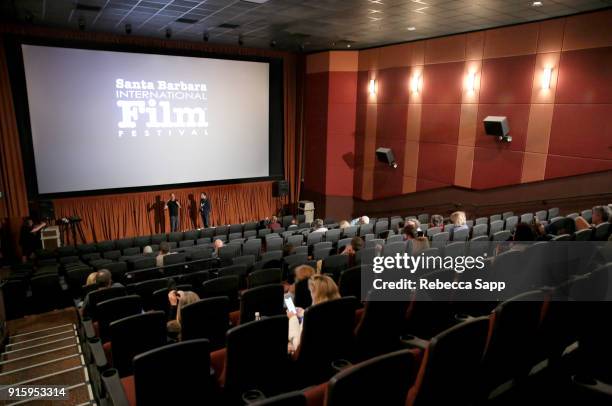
x: 173, y: 207
x: 205, y: 208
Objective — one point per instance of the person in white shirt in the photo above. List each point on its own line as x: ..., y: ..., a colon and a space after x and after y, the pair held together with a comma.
x: 322, y: 288
x: 318, y: 226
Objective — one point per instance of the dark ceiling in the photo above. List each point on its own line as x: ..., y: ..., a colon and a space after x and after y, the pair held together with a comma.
x: 290, y: 24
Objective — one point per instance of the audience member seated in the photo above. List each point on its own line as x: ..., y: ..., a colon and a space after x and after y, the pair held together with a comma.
x: 301, y: 273
x: 288, y: 249
x: 318, y: 226
x: 148, y: 250
x: 459, y: 221
x: 352, y: 248
x: 217, y: 245
x: 274, y: 225
x: 103, y: 281
x: 344, y: 224
x: 436, y: 220
x: 178, y: 300
x: 322, y: 288
x: 563, y: 226
x: 91, y: 279
x: 419, y: 245
x: 522, y: 233
x: 360, y: 220
x: 410, y: 230
x: 601, y: 214
x: 539, y: 231
x: 164, y: 249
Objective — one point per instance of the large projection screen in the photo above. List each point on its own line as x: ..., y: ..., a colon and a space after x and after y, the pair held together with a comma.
x: 109, y: 120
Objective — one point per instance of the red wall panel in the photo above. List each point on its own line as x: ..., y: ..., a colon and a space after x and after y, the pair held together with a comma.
x: 561, y: 166
x: 494, y: 167
x: 582, y: 130
x: 443, y: 83
x: 437, y: 163
x: 392, y: 85
x: 440, y: 123
x: 507, y: 80
x: 585, y: 76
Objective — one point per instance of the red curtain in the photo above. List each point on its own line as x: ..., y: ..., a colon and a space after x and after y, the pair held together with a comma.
x: 115, y: 216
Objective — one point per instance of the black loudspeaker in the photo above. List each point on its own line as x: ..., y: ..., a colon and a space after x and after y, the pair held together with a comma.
x: 497, y: 126
x: 385, y: 155
x: 280, y: 188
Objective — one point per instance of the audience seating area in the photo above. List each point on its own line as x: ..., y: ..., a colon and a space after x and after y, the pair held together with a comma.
x: 351, y: 351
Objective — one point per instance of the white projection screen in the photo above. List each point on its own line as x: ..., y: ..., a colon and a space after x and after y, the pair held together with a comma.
x: 109, y: 120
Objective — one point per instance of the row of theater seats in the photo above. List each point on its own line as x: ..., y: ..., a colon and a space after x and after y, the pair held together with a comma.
x: 369, y: 355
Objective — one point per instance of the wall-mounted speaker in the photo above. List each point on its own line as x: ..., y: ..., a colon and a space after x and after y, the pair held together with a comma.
x: 280, y: 188
x: 385, y: 155
x: 497, y: 126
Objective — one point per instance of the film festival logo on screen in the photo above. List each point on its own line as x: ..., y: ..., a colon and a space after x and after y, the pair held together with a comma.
x: 147, y: 108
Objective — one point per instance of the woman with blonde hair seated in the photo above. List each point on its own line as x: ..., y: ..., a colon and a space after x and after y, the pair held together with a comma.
x: 322, y: 288
x: 344, y: 224
x: 179, y: 299
x: 419, y: 245
x: 459, y: 221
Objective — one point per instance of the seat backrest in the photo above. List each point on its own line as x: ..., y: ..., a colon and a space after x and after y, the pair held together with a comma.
x: 100, y: 295
x: 350, y: 281
x: 511, y: 222
x: 327, y: 335
x: 314, y: 238
x: 461, y: 235
x: 252, y: 247
x: 172, y: 259
x: 143, y: 263
x: 134, y: 335
x: 264, y: 277
x: 392, y: 248
x: 350, y: 231
x: 172, y: 367
x: 481, y: 220
x: 455, y: 249
x: 295, y: 240
x: 501, y: 235
x: 380, y: 328
x: 235, y: 228
x: 479, y: 229
x: 124, y: 243
x: 526, y: 218
x: 380, y: 226
x: 274, y: 244
x: 256, y: 357
x: 267, y: 300
x: 495, y: 217
x: 322, y: 253
x: 602, y: 231
x: 302, y: 297
x: 451, y: 361
x: 115, y: 309
x: 553, y: 212
x: 366, y: 229
x: 335, y: 264
x: 512, y: 336
x: 433, y: 231
x: 541, y: 215
x: 333, y: 235
x: 495, y: 226
x: 383, y: 380
x: 221, y: 230
x: 207, y: 318
x: 222, y: 286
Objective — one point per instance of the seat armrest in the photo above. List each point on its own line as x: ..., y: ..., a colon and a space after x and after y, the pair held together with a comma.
x: 88, y: 328
x: 115, y: 394
x: 97, y: 354
x: 340, y: 364
x: 594, y: 390
x: 409, y: 341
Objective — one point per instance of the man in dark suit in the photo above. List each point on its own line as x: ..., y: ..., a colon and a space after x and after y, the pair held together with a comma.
x: 205, y: 208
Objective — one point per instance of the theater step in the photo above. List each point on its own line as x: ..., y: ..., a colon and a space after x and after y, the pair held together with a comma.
x: 39, y: 358
x: 24, y: 351
x: 39, y: 334
x: 24, y: 343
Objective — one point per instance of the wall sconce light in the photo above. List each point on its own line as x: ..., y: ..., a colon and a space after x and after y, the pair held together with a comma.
x: 415, y: 85
x: 372, y: 86
x: 470, y: 82
x: 546, y: 77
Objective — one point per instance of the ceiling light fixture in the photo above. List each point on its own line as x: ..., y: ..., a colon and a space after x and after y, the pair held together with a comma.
x: 411, y: 28
x: 537, y: 4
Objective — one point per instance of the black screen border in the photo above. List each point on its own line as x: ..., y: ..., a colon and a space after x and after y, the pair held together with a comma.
x: 16, y: 69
